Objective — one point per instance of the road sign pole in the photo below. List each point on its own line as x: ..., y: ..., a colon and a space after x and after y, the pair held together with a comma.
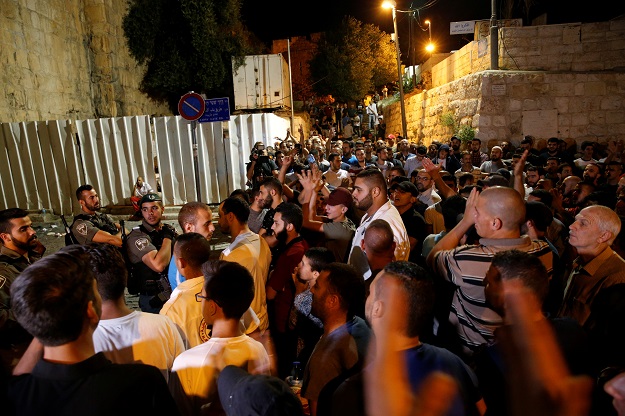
x: 196, y: 165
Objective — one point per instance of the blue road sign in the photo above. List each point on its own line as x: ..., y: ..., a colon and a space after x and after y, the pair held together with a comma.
x: 191, y: 106
x: 217, y: 109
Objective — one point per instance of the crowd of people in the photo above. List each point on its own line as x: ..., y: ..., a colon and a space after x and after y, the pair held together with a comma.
x: 375, y: 275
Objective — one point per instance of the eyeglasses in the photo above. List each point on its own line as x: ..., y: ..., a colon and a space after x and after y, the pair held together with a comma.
x: 199, y: 297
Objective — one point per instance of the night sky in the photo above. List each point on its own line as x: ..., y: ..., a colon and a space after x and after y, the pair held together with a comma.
x: 280, y: 19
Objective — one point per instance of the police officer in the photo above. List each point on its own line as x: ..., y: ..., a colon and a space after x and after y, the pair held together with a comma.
x: 90, y: 225
x: 18, y: 250
x: 149, y: 247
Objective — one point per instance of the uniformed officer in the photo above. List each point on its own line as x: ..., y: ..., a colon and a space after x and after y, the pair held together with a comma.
x: 19, y: 249
x: 149, y: 248
x: 90, y: 225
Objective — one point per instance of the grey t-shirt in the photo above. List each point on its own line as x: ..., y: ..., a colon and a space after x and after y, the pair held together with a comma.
x: 339, y: 238
x: 255, y: 219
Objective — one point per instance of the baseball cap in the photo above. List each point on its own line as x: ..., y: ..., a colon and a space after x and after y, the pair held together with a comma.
x: 494, y: 180
x: 244, y: 394
x: 406, y: 186
x: 340, y: 196
x: 151, y: 197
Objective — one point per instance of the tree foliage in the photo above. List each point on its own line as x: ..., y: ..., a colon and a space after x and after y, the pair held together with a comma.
x: 186, y: 45
x: 352, y: 60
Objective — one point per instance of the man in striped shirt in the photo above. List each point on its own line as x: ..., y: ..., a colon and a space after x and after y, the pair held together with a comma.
x: 497, y: 214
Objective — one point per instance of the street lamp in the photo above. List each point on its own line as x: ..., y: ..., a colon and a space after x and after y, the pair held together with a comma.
x: 430, y: 45
x: 390, y: 4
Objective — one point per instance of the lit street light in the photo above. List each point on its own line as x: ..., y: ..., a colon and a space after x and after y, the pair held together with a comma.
x: 430, y: 45
x: 391, y: 4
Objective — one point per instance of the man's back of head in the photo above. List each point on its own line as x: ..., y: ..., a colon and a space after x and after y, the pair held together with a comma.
x: 506, y: 204
x: 238, y: 207
x: 109, y: 268
x: 514, y: 264
x: 418, y: 287
x: 230, y: 286
x: 51, y: 297
x: 344, y: 282
x: 378, y: 239
x: 193, y: 249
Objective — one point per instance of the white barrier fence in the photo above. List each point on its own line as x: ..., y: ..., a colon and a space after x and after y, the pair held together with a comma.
x: 43, y: 162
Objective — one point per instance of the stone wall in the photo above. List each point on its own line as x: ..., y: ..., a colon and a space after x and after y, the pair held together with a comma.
x: 68, y: 59
x: 571, y: 85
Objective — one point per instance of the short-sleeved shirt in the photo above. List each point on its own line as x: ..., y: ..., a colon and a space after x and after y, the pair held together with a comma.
x: 334, y: 354
x: 255, y: 219
x: 465, y: 267
x: 139, y: 243
x: 94, y: 386
x: 338, y: 237
x: 85, y: 229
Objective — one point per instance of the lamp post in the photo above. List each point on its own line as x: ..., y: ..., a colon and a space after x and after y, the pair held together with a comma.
x: 430, y: 45
x: 391, y: 4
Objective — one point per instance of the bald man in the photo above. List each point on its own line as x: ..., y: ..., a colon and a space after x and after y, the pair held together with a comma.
x: 378, y: 247
x: 497, y: 214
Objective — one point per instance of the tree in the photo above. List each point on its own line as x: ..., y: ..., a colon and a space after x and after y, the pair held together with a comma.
x: 186, y: 45
x: 352, y: 59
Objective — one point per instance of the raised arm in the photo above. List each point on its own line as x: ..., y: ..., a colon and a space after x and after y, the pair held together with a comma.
x: 518, y: 170
x: 434, y: 170
x: 453, y: 237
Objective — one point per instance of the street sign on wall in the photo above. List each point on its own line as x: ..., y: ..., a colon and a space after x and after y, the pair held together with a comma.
x: 217, y: 109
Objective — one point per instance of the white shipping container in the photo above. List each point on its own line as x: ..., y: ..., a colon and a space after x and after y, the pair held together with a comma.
x: 262, y: 82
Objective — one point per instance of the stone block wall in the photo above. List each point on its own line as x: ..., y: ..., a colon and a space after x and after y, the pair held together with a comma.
x: 573, y: 73
x: 68, y: 59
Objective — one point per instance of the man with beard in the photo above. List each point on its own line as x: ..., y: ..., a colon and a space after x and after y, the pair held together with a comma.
x: 477, y: 156
x: 270, y: 197
x: 338, y: 298
x: 149, y: 248
x: 280, y: 289
x: 90, y: 225
x: 454, y: 144
x: 57, y: 301
x: 532, y: 175
x: 495, y: 163
x: 20, y: 248
x: 371, y: 196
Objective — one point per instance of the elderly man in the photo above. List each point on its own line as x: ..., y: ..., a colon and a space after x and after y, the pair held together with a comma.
x: 597, y: 266
x: 497, y: 214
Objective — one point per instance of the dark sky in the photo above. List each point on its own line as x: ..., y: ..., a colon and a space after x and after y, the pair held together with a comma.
x: 280, y: 19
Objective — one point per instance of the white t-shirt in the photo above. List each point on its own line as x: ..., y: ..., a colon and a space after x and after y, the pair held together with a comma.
x: 193, y: 381
x: 389, y: 213
x: 139, y: 337
x: 334, y: 179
